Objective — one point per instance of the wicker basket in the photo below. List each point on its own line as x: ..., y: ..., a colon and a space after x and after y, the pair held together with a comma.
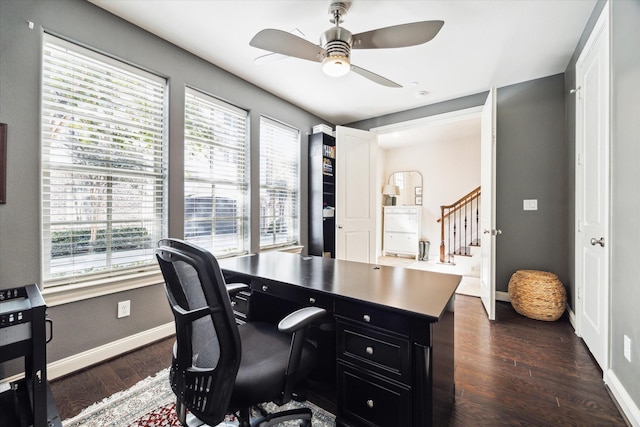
x: 536, y: 294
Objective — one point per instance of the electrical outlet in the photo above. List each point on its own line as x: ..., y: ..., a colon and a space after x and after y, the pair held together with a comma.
x: 124, y: 308
x: 627, y: 348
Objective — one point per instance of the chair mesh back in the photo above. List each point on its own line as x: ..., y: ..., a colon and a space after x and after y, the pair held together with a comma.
x: 204, y: 339
x: 207, y: 352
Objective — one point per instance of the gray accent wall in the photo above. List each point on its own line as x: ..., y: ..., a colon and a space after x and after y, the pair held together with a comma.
x: 625, y: 195
x: 530, y: 164
x: 84, y: 325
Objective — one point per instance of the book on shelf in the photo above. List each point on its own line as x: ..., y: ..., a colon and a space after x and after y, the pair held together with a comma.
x: 329, y: 151
x: 327, y: 167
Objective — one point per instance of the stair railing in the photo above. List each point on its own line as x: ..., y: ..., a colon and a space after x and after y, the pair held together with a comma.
x: 459, y: 224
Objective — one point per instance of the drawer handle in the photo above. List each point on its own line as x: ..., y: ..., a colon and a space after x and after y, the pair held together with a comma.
x: 265, y: 288
x: 366, y: 318
x: 370, y: 403
x: 369, y: 350
x: 312, y: 300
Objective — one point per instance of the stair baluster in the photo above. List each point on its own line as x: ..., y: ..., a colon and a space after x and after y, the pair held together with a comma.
x: 461, y: 225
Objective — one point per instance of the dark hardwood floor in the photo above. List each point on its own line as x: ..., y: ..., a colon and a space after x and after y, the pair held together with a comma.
x: 75, y: 392
x: 511, y: 372
x: 522, y: 372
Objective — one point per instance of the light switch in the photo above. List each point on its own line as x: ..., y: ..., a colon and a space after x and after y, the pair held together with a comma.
x: 530, y: 205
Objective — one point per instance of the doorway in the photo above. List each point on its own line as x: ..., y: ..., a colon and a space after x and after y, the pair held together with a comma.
x: 445, y: 149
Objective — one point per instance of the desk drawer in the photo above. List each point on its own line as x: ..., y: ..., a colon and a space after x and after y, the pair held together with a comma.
x: 302, y: 296
x: 383, y: 353
x: 370, y: 315
x: 371, y: 400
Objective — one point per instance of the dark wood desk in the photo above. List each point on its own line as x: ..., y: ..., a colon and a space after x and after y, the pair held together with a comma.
x: 392, y: 331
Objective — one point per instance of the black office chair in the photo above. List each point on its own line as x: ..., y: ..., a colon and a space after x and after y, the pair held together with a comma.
x: 220, y: 367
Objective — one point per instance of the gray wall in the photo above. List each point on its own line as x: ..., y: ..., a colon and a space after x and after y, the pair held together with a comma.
x: 625, y: 197
x: 86, y: 324
x: 530, y: 164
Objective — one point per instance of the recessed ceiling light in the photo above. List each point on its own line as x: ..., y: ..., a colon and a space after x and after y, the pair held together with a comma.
x: 413, y: 84
x: 421, y: 94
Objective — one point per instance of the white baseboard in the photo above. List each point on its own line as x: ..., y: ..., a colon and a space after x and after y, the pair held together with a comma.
x: 572, y: 317
x: 96, y: 355
x: 624, y: 401
x: 99, y: 354
x: 502, y: 296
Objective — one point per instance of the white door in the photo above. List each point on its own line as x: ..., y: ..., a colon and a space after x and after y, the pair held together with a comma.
x: 356, y: 153
x: 592, y: 192
x: 488, y: 205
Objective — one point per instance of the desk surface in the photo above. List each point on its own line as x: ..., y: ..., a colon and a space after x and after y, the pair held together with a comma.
x: 420, y: 292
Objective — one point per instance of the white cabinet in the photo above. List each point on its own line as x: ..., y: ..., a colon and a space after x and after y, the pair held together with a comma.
x: 401, y: 230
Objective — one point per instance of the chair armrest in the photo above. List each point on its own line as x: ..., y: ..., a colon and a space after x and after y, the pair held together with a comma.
x: 300, y: 319
x: 296, y: 323
x: 234, y: 288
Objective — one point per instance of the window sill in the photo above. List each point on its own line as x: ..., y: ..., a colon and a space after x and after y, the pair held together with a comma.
x: 65, y: 294
x: 294, y: 249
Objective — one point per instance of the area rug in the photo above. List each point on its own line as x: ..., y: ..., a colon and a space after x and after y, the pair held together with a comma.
x: 151, y: 403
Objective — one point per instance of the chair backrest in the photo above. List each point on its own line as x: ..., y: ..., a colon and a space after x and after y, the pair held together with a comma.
x: 208, y: 351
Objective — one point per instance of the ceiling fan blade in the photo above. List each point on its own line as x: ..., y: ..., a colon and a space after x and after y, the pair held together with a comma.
x: 269, y: 57
x: 285, y: 43
x: 374, y: 77
x: 398, y: 35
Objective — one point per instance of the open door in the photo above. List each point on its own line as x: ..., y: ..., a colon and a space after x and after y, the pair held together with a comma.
x: 593, y: 193
x: 356, y: 160
x: 488, y: 205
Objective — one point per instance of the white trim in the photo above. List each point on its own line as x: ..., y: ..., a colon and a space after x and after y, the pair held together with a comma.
x: 65, y: 294
x: 626, y: 404
x: 502, y: 296
x: 437, y: 118
x: 572, y: 319
x: 99, y: 354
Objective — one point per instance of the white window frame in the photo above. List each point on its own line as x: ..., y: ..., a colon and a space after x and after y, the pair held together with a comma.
x: 67, y: 128
x: 216, y: 175
x: 279, y: 216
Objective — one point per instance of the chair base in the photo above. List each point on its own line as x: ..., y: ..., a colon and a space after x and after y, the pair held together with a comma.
x: 302, y: 414
x: 265, y: 420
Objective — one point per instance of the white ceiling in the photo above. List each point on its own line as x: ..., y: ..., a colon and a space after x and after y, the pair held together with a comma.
x: 482, y: 44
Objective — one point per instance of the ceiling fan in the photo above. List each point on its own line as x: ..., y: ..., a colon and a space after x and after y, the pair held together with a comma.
x: 334, y: 51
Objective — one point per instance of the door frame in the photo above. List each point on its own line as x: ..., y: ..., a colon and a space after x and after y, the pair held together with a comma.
x: 436, y: 119
x: 602, y: 24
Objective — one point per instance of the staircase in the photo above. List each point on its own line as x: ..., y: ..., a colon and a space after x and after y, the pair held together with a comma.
x: 459, y: 228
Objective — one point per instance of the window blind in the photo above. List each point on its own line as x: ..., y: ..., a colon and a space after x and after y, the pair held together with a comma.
x: 216, y: 175
x: 103, y: 165
x: 279, y: 203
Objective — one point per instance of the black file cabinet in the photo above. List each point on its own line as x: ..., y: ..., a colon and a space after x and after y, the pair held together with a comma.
x: 23, y: 334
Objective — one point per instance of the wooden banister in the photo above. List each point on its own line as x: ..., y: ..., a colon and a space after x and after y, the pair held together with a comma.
x: 472, y: 195
x: 446, y: 211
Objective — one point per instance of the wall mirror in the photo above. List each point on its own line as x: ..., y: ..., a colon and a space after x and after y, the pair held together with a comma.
x: 409, y: 185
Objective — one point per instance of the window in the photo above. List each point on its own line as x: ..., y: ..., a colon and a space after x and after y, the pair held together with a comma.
x: 103, y: 165
x: 279, y: 154
x: 216, y: 178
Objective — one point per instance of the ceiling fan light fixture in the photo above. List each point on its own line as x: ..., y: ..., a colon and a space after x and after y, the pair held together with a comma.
x: 336, y: 66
